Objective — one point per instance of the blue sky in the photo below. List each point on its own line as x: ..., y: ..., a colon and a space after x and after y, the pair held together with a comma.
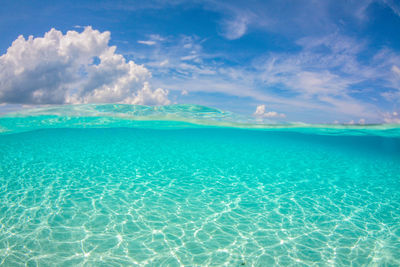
x: 309, y: 61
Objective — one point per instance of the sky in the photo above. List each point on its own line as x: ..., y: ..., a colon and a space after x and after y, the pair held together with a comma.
x: 296, y: 61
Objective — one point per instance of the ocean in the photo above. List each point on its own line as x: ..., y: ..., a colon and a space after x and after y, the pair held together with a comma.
x: 184, y: 185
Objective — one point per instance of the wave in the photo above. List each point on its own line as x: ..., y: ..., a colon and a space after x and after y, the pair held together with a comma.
x: 167, y: 117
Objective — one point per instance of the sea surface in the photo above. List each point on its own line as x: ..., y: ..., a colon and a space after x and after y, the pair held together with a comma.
x: 183, y: 185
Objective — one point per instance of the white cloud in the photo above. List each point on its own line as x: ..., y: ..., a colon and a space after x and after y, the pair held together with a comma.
x: 73, y: 68
x: 312, y: 73
x: 391, y: 117
x: 153, y: 39
x: 289, y: 18
x: 157, y: 37
x: 164, y: 63
x: 260, y: 110
x: 328, y: 71
x: 146, y: 95
x: 396, y: 70
x: 234, y: 29
x: 261, y: 113
x: 190, y: 57
x: 325, y: 75
x: 272, y: 114
x: 394, y: 5
x: 147, y: 42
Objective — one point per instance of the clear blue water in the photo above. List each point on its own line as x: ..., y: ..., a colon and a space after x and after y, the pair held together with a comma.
x: 114, y: 191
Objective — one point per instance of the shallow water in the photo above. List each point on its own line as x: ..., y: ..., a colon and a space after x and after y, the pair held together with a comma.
x: 198, y: 196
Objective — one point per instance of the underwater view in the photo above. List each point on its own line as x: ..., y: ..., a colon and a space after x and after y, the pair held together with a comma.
x: 186, y: 185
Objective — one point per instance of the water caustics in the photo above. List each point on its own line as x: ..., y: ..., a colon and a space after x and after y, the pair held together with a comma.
x: 183, y: 185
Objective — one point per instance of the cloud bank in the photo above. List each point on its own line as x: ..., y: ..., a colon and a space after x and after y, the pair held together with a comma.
x: 73, y: 68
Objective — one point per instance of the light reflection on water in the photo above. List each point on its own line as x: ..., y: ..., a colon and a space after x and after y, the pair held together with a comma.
x: 204, y: 196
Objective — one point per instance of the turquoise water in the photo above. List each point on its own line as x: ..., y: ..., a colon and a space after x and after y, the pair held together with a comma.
x: 187, y: 185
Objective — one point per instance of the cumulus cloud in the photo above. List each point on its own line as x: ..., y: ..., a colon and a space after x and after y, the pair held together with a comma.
x: 262, y: 113
x: 73, y: 68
